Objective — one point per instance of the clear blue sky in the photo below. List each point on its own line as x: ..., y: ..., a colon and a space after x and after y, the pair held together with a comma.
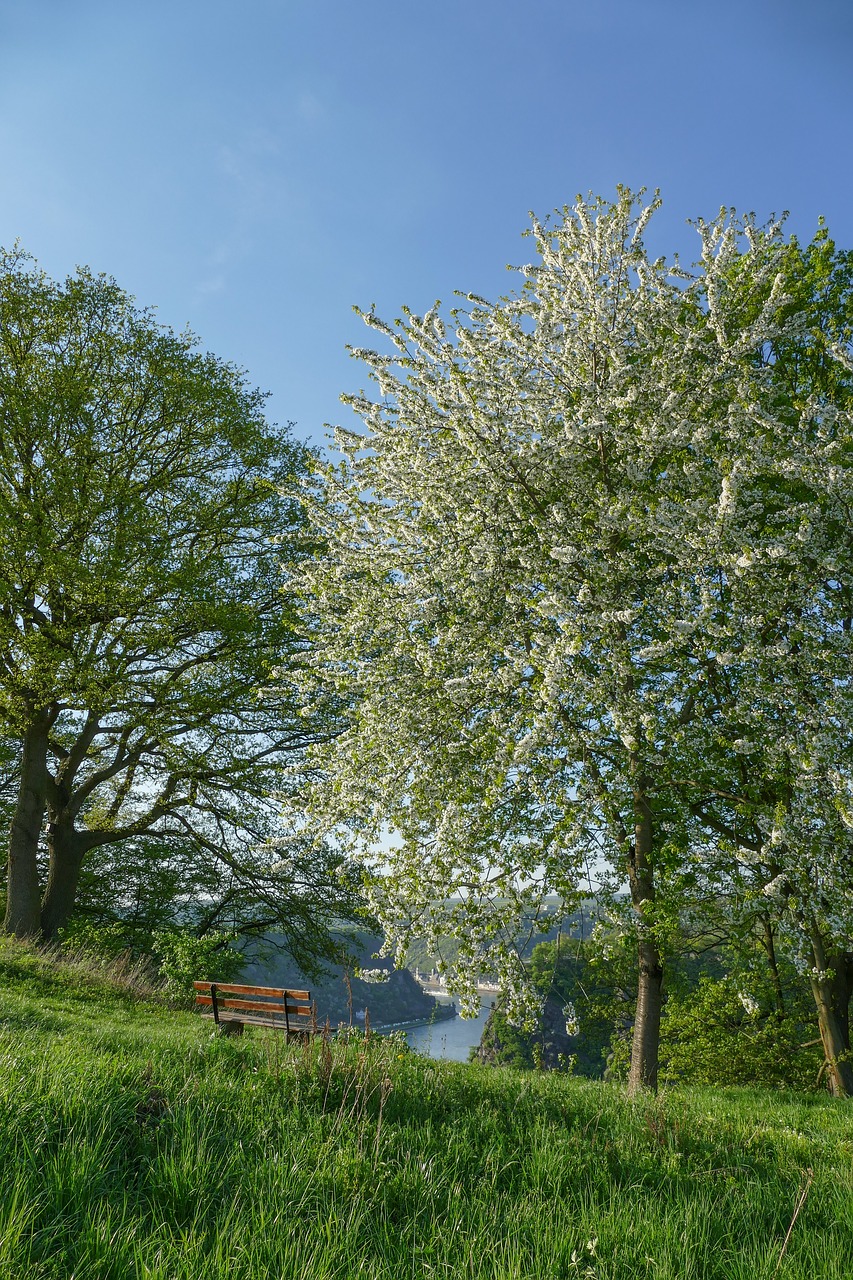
x: 253, y: 169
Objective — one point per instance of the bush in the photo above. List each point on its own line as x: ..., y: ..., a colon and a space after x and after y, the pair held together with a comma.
x: 183, y: 958
x: 719, y: 1034
x: 96, y: 939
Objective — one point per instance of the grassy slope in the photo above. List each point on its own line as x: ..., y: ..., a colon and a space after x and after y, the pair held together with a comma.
x: 134, y: 1145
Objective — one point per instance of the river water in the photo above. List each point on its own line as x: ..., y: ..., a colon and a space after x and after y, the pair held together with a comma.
x: 452, y: 1039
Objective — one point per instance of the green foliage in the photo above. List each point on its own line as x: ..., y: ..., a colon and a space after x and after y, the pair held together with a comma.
x: 585, y: 1015
x: 184, y: 958
x: 719, y: 1033
x: 149, y: 524
x: 131, y: 889
x: 723, y: 1023
x: 173, y: 957
x: 109, y: 939
x: 588, y: 588
x: 505, y: 1045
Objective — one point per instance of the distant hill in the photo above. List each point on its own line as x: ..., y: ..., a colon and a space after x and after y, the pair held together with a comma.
x: 342, y: 997
x: 546, y: 927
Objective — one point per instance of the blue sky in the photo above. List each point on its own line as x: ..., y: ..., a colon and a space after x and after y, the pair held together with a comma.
x: 254, y: 169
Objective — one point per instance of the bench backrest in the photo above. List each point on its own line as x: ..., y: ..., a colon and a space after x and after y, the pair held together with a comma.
x: 279, y: 1004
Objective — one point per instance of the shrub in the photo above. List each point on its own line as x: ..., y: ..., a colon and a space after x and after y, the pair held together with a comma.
x: 183, y: 957
x: 721, y: 1033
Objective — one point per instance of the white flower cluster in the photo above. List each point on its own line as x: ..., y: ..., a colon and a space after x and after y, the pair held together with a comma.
x: 373, y: 976
x: 573, y: 1025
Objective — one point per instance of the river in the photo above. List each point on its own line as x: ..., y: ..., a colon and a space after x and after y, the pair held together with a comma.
x: 452, y: 1039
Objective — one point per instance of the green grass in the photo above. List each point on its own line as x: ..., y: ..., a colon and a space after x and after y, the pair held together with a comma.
x: 135, y: 1145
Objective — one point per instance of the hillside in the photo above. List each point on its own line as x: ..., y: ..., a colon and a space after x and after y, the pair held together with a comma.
x: 136, y: 1144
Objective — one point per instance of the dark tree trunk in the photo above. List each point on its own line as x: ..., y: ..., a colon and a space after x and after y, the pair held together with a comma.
x: 770, y: 949
x: 842, y: 990
x: 645, y: 1045
x: 66, y: 849
x: 834, y: 1026
x: 23, y: 902
x: 838, y: 1065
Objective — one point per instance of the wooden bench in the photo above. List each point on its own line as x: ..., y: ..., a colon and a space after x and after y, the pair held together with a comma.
x: 289, y: 1011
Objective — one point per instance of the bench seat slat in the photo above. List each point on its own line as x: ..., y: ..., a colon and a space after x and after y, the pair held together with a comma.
x: 260, y: 1006
x: 237, y: 989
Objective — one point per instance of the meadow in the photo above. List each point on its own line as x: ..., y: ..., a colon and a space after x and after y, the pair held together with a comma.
x: 136, y: 1145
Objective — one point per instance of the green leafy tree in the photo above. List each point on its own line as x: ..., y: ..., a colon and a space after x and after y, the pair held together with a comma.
x: 148, y: 526
x: 184, y: 958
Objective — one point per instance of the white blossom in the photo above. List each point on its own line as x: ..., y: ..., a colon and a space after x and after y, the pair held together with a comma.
x: 373, y: 976
x: 571, y: 1019
x: 576, y: 577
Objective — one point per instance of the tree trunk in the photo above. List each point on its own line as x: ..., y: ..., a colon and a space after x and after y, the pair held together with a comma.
x: 66, y: 849
x: 23, y: 901
x: 834, y: 1030
x: 770, y: 949
x: 838, y: 1064
x: 645, y: 1045
x: 842, y: 990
